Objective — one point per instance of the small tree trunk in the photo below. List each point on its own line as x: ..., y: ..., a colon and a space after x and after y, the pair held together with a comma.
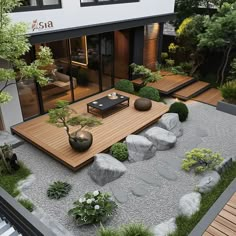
x: 220, y: 67
x: 225, y: 64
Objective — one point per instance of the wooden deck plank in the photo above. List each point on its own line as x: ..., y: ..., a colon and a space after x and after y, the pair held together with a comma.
x: 230, y: 210
x: 228, y: 216
x: 207, y: 234
x: 222, y: 228
x: 227, y: 223
x: 191, y: 90
x: 114, y: 128
x: 215, y: 231
x: 211, y: 97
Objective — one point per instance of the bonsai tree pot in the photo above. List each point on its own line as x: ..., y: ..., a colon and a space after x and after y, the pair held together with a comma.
x: 81, y: 141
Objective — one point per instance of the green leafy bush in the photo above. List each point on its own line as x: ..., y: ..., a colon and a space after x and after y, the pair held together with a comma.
x: 201, y: 159
x: 125, y: 85
x: 228, y: 91
x: 119, y: 151
x: 93, y: 208
x: 149, y: 92
x: 164, y: 55
x: 170, y: 62
x: 136, y: 230
x: 26, y: 203
x: 181, y: 109
x: 58, y: 190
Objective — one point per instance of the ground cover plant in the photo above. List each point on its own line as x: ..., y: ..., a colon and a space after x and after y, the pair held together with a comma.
x: 184, y: 224
x: 181, y: 109
x: 93, y: 207
x: 150, y: 93
x: 125, y: 86
x: 58, y: 190
x: 201, y: 160
x: 119, y: 151
x: 26, y: 203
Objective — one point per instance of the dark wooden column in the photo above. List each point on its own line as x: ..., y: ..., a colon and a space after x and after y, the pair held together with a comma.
x: 160, y: 42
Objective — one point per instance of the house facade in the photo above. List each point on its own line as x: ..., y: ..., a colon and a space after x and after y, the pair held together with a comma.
x: 93, y: 43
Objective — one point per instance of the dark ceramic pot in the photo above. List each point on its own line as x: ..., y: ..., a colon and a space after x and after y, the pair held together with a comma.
x: 82, y: 141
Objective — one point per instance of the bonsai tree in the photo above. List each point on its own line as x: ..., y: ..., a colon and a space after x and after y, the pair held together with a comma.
x: 13, y: 45
x: 146, y: 75
x: 64, y: 116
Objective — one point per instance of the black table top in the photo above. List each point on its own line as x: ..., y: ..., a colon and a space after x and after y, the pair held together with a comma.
x: 106, y: 102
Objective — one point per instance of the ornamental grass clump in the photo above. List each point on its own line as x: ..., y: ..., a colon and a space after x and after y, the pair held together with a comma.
x: 201, y: 160
x: 58, y: 190
x: 119, y: 151
x: 228, y: 91
x: 94, y: 207
x: 136, y: 230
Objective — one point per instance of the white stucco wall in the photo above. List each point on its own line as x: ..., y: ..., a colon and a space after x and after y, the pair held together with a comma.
x: 72, y: 15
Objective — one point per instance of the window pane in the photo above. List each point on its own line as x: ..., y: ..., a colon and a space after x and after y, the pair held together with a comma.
x: 29, y: 3
x: 79, y: 50
x: 50, y: 2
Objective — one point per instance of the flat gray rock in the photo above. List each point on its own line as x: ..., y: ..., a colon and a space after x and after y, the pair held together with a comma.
x: 139, y: 148
x: 139, y: 190
x: 7, y: 138
x: 149, y: 178
x: 120, y: 194
x: 170, y: 122
x: 167, y: 173
x: 224, y: 165
x: 201, y: 132
x: 165, y: 228
x: 161, y: 138
x: 105, y: 169
x: 206, y: 184
x: 189, y: 204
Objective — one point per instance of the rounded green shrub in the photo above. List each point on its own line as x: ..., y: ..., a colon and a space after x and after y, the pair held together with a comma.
x: 181, y: 109
x: 119, y: 151
x: 149, y: 92
x: 228, y: 91
x: 58, y: 190
x: 125, y: 85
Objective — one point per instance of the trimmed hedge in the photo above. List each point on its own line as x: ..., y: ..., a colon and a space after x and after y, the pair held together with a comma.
x: 125, y: 86
x: 150, y: 93
x: 181, y: 109
x: 119, y: 151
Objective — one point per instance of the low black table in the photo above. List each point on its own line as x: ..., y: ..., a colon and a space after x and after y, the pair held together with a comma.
x: 106, y: 106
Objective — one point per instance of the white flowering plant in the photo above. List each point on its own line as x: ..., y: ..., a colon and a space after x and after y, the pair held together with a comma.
x: 93, y: 207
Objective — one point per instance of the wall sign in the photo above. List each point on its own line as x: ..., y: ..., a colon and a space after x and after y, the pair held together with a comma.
x: 41, y: 25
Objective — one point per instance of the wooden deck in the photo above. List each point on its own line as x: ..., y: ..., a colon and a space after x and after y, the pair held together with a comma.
x: 116, y: 127
x: 210, y: 97
x: 191, y: 90
x: 225, y: 223
x: 169, y: 83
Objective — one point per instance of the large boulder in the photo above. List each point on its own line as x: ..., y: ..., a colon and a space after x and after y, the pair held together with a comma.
x: 161, y: 138
x: 139, y: 148
x: 189, y: 204
x: 170, y: 122
x: 165, y: 228
x: 224, y: 165
x: 105, y: 169
x: 208, y: 182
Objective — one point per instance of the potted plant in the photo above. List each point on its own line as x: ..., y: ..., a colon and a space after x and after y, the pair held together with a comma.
x: 228, y: 91
x: 64, y: 116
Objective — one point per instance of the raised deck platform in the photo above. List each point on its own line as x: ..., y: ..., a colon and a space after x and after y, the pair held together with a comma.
x: 116, y: 127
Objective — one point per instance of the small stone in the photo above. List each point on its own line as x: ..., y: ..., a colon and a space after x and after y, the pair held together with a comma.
x: 166, y: 173
x: 139, y: 148
x: 206, y: 184
x: 165, y: 228
x: 7, y: 138
x: 120, y: 194
x: 161, y: 138
x: 149, y: 179
x: 139, y: 190
x: 105, y: 169
x: 170, y: 122
x: 189, y: 204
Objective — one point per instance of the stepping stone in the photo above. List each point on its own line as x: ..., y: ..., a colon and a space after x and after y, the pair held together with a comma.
x: 201, y: 132
x: 189, y: 204
x: 139, y: 148
x: 149, y: 179
x: 161, y: 138
x: 120, y: 194
x: 166, y: 173
x: 170, y: 122
x: 7, y: 138
x: 139, y: 190
x: 105, y: 169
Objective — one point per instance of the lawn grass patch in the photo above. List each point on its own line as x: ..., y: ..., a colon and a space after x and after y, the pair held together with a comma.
x: 9, y: 181
x: 184, y: 224
x: 26, y: 203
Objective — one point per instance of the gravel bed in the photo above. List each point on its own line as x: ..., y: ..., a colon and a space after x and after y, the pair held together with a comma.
x: 205, y: 127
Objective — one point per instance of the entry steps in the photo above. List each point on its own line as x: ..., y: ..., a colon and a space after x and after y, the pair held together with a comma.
x: 7, y: 230
x: 191, y: 90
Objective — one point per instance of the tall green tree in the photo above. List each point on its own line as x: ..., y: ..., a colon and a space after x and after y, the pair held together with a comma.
x: 14, y: 44
x: 220, y: 34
